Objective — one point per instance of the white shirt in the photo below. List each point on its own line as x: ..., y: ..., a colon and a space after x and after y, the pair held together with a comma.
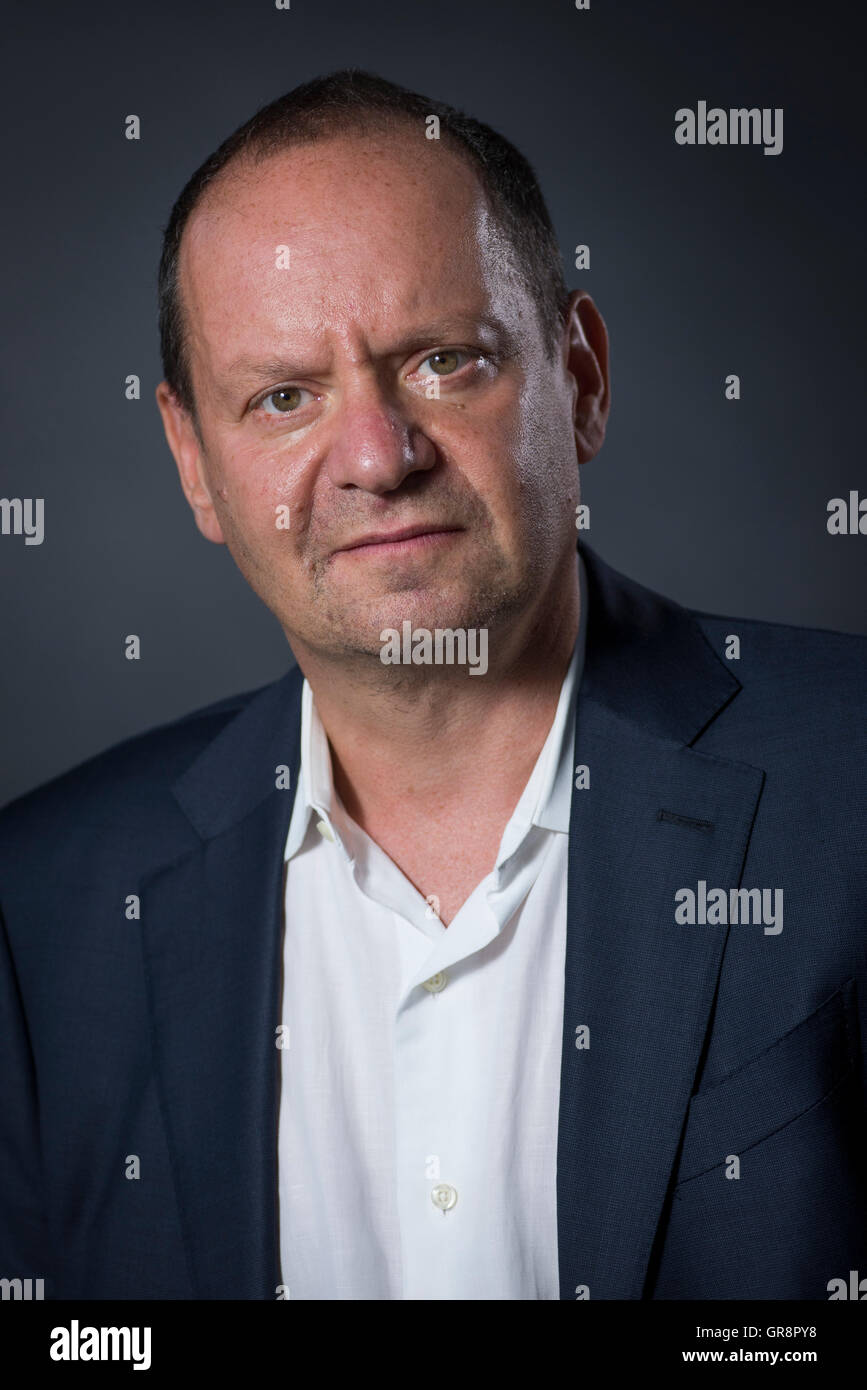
x: 417, y: 1140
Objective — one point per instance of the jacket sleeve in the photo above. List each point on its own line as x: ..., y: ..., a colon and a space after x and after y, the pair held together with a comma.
x: 23, y: 1230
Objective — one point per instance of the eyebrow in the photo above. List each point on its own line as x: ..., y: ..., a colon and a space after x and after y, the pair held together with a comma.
x: 446, y: 330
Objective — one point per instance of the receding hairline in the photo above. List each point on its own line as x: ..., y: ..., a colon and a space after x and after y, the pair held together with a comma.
x: 245, y: 164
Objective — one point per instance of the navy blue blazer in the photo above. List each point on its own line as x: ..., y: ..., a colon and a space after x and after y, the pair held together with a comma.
x: 154, y: 1036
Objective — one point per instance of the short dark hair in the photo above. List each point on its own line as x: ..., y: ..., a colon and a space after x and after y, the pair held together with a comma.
x: 352, y: 100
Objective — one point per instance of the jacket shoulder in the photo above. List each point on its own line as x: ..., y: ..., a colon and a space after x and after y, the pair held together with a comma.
x: 135, y: 774
x: 822, y: 662
x: 802, y: 703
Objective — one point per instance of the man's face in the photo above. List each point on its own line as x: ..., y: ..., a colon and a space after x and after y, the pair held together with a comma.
x: 366, y: 361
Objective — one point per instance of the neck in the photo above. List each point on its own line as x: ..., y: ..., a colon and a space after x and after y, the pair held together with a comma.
x: 436, y: 740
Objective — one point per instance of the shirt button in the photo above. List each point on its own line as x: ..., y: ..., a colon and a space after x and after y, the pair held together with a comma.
x: 436, y: 982
x: 444, y: 1196
x: 325, y: 830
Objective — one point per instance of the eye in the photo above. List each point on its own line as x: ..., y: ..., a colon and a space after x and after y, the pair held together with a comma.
x: 444, y: 363
x: 286, y: 400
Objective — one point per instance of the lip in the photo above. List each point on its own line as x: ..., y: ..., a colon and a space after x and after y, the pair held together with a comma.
x: 402, y: 541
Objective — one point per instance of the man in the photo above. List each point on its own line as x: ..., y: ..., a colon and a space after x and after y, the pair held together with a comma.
x: 512, y: 947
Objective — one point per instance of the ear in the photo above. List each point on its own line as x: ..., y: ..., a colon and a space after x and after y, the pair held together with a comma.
x: 585, y: 349
x: 187, y: 450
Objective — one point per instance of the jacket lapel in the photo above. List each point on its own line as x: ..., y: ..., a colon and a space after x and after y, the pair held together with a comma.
x: 212, y: 943
x: 657, y: 816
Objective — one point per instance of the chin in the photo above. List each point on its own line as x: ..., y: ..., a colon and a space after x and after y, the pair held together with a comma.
x: 422, y: 608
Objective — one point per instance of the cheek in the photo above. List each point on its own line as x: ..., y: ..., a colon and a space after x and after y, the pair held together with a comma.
x: 540, y: 486
x: 545, y: 442
x: 259, y: 494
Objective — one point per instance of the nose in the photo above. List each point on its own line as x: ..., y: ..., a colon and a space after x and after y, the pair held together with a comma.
x: 377, y: 443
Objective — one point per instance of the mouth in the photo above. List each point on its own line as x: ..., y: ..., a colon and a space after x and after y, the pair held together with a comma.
x: 406, y: 541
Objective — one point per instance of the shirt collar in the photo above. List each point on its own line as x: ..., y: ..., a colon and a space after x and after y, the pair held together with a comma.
x: 546, y: 800
x: 315, y: 782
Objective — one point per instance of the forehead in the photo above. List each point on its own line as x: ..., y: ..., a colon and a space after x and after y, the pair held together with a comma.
x: 374, y: 229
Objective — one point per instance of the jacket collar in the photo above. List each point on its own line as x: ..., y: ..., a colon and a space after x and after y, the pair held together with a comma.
x: 648, y: 660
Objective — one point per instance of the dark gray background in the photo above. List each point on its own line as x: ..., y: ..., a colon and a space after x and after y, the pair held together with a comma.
x: 704, y: 262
